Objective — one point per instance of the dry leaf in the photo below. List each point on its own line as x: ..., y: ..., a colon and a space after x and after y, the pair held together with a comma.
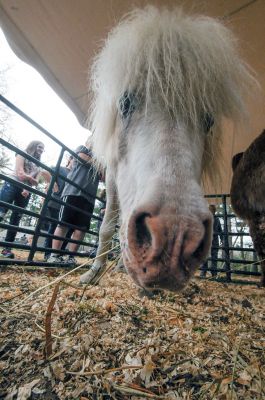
x: 24, y: 392
x: 147, y: 370
x: 183, y: 345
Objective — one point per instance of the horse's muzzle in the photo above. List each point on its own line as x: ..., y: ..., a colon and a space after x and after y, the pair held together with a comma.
x: 164, y: 249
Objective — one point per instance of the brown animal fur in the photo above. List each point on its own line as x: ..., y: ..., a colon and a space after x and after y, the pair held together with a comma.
x: 248, y: 193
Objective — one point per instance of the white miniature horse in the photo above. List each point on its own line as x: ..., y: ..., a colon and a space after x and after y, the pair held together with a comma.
x: 162, y: 84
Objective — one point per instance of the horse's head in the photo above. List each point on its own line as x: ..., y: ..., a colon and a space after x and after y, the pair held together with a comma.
x: 166, y: 225
x: 162, y: 84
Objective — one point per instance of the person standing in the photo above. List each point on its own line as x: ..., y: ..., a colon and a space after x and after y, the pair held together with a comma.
x: 217, y: 233
x: 84, y: 175
x: 54, y: 208
x: 27, y: 172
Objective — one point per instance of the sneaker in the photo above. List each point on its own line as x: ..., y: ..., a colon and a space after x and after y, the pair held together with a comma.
x: 53, y: 258
x: 92, y: 253
x: 7, y: 253
x: 70, y: 260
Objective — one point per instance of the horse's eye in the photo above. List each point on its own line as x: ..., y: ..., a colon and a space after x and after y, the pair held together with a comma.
x: 127, y: 104
x: 207, y: 122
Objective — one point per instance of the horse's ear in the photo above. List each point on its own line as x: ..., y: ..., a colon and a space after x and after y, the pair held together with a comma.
x: 208, y: 122
x: 127, y: 104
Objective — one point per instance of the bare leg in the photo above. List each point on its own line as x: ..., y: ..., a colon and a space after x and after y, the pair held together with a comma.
x: 59, y: 231
x: 106, y: 232
x: 77, y: 235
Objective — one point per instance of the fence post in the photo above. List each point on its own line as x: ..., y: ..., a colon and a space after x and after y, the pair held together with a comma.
x: 44, y: 207
x: 226, y: 241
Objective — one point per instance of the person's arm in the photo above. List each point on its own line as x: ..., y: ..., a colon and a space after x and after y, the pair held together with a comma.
x: 47, y: 178
x: 45, y: 175
x: 85, y: 157
x: 89, y: 159
x: 20, y: 172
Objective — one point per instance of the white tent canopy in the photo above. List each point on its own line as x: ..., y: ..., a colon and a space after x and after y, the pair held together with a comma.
x: 60, y: 37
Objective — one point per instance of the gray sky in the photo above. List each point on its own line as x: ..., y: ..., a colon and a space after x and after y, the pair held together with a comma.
x: 30, y: 92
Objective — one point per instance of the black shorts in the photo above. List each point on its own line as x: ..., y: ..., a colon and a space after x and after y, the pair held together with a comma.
x: 71, y: 216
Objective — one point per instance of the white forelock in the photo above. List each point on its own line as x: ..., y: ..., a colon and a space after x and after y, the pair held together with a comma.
x: 188, y: 64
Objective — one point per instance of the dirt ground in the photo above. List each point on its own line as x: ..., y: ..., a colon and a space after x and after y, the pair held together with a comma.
x: 62, y: 341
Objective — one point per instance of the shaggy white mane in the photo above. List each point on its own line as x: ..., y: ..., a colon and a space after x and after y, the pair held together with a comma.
x: 188, y: 64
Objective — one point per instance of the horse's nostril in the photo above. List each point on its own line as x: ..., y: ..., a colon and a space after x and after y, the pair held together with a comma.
x: 143, y: 235
x: 196, y: 241
x: 144, y: 270
x: 199, y: 252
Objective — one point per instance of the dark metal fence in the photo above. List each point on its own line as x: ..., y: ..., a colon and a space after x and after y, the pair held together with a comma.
x: 235, y: 255
x: 32, y: 254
